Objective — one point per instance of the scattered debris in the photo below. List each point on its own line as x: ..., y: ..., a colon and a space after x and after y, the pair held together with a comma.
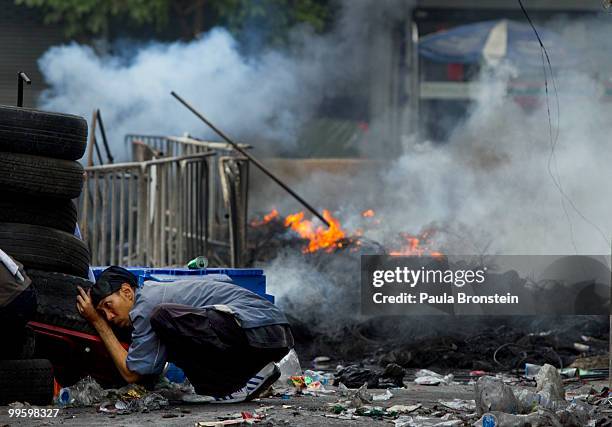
x: 85, y: 392
x: 427, y: 377
x: 354, y: 376
x: 592, y: 362
x: 132, y: 398
x: 382, y: 397
x: 459, y: 404
x: 420, y: 421
x: 403, y: 409
x: 393, y: 375
x: 492, y: 395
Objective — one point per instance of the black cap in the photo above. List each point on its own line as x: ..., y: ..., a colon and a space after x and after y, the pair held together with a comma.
x: 110, y: 281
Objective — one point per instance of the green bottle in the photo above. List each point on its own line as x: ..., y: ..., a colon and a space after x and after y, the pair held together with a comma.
x: 199, y: 262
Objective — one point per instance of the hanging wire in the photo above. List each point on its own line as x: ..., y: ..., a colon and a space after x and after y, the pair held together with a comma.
x: 552, y: 160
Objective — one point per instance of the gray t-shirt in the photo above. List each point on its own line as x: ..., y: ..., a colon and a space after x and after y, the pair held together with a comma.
x: 147, y: 355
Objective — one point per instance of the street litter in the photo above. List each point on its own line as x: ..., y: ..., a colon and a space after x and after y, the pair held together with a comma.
x: 459, y: 405
x: 420, y: 421
x: 243, y: 418
x: 427, y: 377
x: 85, y: 392
x: 502, y: 405
x: 382, y: 397
x: 132, y: 398
x: 403, y: 409
x: 354, y: 376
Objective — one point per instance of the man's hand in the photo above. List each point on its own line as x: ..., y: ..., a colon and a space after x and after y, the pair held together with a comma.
x: 85, y: 306
x: 112, y: 344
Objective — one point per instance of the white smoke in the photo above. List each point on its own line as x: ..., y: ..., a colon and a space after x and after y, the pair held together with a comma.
x: 488, y: 189
x: 263, y: 98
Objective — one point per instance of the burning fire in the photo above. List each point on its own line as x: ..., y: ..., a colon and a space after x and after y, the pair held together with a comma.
x: 319, y: 238
x: 328, y: 239
x: 368, y: 214
x: 266, y: 219
x: 415, y: 245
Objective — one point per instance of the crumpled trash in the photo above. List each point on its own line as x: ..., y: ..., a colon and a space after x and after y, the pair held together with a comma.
x: 541, y: 418
x: 459, y: 404
x: 323, y: 377
x: 174, y: 392
x: 355, y: 398
x: 354, y: 376
x: 420, y: 421
x: 492, y: 395
x: 132, y: 398
x: 532, y: 370
x: 244, y: 417
x: 549, y: 393
x: 393, y: 374
x: 403, y: 409
x: 85, y: 392
x: 530, y: 401
x: 427, y: 377
x: 382, y: 397
x: 306, y: 385
x: 289, y: 367
x: 549, y: 383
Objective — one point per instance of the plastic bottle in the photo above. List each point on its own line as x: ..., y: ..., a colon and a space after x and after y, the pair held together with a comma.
x: 198, y: 263
x: 323, y: 378
x: 64, y: 397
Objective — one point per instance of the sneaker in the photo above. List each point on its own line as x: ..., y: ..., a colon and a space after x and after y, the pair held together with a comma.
x: 255, y: 386
x: 262, y: 380
x: 235, y: 397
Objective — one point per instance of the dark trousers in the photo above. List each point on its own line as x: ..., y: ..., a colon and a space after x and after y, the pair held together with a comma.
x: 210, y: 347
x: 13, y: 319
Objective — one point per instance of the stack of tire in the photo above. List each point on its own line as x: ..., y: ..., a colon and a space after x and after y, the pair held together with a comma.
x: 39, y: 177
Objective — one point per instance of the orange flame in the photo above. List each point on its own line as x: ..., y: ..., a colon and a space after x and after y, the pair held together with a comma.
x: 320, y: 238
x: 266, y: 219
x: 368, y: 214
x: 415, y: 246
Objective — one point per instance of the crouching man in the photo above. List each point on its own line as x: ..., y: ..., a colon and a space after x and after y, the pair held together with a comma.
x: 224, y: 337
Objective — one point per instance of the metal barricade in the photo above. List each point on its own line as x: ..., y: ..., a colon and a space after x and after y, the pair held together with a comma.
x: 152, y: 213
x: 234, y: 174
x: 228, y: 185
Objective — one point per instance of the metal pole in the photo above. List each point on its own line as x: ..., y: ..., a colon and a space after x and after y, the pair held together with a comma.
x: 610, y: 330
x: 21, y: 77
x: 109, y: 156
x: 251, y: 158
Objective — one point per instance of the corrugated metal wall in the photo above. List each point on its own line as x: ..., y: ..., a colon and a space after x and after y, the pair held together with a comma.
x: 23, y: 40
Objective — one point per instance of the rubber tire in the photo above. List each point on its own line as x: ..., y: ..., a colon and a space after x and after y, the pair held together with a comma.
x: 45, y: 249
x: 60, y: 214
x: 42, y: 133
x: 56, y: 294
x: 26, y: 381
x: 40, y: 176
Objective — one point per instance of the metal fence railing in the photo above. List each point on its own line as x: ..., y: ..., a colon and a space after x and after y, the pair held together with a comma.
x: 228, y: 185
x: 152, y: 212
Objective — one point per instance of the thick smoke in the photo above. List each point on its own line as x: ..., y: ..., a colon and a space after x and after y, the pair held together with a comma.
x: 507, y: 181
x: 496, y: 186
x: 254, y: 98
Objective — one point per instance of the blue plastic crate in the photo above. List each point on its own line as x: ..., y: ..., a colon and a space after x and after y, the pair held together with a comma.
x: 252, y: 279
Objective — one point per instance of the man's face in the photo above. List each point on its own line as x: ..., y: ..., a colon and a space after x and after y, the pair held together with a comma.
x: 116, y: 307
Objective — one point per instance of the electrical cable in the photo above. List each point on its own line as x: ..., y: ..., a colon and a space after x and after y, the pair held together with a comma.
x: 554, y: 139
